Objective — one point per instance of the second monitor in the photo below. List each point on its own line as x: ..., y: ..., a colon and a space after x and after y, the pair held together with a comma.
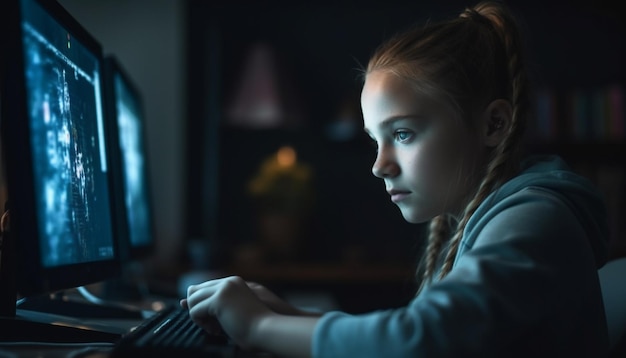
x: 130, y: 178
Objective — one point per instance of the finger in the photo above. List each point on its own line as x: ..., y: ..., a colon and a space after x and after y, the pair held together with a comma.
x: 183, y: 303
x: 200, y: 295
x: 203, y: 313
x: 201, y: 308
x: 193, y: 288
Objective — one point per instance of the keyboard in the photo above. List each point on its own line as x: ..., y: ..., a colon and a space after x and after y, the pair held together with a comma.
x: 171, y: 333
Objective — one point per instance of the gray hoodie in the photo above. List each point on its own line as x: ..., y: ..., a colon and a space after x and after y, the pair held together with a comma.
x: 524, y: 283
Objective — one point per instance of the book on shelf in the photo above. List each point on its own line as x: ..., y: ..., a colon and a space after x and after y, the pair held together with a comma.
x: 581, y: 114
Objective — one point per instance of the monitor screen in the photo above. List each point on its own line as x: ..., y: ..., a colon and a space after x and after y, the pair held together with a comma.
x: 129, y: 160
x: 53, y: 135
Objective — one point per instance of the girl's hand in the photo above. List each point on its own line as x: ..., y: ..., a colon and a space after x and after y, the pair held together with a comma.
x: 232, y: 302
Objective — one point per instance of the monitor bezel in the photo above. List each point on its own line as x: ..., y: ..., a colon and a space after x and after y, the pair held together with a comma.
x: 112, y: 68
x: 31, y: 276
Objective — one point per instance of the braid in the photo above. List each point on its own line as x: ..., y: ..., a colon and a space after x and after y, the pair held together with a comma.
x: 485, y: 188
x: 503, y: 163
x: 438, y: 234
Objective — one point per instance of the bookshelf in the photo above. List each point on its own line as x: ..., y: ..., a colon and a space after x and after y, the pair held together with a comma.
x: 586, y: 125
x: 581, y: 114
x: 576, y: 63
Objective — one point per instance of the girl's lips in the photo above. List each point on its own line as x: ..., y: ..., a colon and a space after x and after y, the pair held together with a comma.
x: 398, y: 195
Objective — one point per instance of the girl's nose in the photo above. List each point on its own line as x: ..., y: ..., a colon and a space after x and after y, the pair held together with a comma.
x: 385, y: 165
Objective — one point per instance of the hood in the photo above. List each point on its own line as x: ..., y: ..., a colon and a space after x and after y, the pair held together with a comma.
x: 551, y: 172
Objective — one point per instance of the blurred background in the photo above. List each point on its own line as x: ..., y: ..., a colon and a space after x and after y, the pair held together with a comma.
x: 259, y: 164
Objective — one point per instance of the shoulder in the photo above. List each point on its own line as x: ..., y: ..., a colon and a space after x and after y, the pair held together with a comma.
x: 533, y: 238
x: 532, y: 214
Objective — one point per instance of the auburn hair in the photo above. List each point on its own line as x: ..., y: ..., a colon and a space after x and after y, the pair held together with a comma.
x: 468, y: 61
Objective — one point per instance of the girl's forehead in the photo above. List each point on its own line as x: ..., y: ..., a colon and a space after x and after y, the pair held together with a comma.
x: 385, y: 93
x: 381, y: 88
x: 377, y: 82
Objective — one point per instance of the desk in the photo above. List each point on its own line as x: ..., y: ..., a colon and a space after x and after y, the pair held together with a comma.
x: 39, y: 348
x: 86, y: 351
x: 49, y: 351
x: 52, y: 328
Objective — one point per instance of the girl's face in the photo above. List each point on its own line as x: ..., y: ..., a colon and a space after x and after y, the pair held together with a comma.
x: 427, y: 155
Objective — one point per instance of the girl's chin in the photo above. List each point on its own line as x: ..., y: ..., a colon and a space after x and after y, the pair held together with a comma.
x: 413, y: 217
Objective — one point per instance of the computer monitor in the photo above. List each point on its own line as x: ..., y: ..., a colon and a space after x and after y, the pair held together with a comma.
x: 130, y: 173
x: 129, y: 161
x: 61, y: 225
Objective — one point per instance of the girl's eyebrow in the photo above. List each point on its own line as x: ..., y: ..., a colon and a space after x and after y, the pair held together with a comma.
x: 389, y: 121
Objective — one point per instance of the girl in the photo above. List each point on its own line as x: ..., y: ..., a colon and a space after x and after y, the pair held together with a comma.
x: 510, y: 268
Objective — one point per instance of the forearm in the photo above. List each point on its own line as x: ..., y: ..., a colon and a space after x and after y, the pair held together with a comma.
x: 286, y: 336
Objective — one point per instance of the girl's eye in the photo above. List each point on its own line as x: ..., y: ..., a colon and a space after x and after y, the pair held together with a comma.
x: 402, y: 135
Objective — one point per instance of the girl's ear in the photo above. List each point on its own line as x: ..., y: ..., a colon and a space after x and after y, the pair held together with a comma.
x: 496, y: 121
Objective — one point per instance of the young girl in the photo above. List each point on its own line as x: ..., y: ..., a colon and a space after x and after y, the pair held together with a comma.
x: 515, y: 243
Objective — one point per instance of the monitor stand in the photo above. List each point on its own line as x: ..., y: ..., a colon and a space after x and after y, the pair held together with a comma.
x: 130, y: 286
x: 18, y: 324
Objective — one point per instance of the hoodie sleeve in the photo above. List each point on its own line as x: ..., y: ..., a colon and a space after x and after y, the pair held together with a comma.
x: 530, y: 264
